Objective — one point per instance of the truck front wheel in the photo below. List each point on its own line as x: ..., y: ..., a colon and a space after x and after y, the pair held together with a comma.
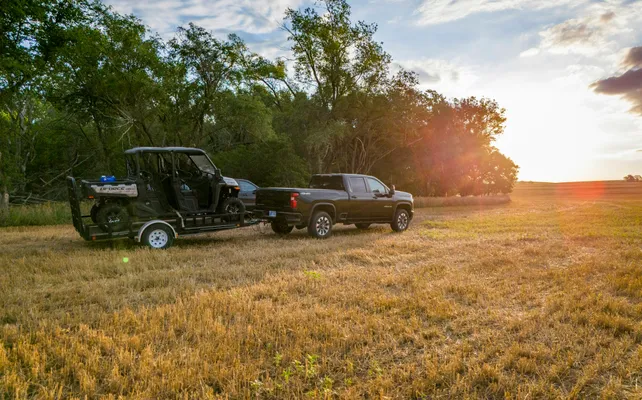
x: 320, y: 225
x: 401, y: 221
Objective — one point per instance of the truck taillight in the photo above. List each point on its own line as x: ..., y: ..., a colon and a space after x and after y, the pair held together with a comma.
x: 293, y: 202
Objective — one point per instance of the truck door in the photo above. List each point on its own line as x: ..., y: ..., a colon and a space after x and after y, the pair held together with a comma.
x: 361, y: 201
x: 383, y: 204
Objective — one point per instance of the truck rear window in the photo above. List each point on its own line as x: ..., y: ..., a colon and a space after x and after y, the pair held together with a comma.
x: 327, y: 182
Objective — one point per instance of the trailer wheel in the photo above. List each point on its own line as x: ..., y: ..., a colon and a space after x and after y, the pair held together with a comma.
x: 112, y: 215
x: 320, y: 225
x: 158, y: 236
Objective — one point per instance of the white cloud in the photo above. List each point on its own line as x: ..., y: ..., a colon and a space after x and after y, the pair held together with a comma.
x: 596, y: 30
x: 236, y: 15
x: 530, y: 52
x: 440, y: 11
x: 448, y: 77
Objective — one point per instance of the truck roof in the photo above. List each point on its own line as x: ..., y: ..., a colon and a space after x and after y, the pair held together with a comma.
x: 188, y: 150
x: 342, y: 174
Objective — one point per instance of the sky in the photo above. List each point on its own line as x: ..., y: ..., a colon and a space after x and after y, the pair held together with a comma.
x: 568, y: 72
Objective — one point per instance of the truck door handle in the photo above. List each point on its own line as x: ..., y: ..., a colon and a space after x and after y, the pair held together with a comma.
x: 353, y: 197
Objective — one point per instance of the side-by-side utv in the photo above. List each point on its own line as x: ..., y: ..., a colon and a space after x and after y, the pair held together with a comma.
x: 168, y: 191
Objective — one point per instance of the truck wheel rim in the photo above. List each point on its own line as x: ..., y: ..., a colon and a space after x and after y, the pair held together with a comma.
x: 158, y: 238
x: 323, y: 226
x: 402, y: 220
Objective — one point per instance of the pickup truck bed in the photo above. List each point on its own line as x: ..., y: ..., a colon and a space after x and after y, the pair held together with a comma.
x: 335, y: 198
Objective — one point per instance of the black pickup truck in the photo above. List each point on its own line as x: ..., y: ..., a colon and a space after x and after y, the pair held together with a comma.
x: 334, y: 198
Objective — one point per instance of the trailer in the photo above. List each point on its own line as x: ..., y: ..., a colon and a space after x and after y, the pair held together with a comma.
x: 157, y: 232
x: 167, y: 192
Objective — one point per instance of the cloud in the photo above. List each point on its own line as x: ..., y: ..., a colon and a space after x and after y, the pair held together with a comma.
x: 530, y: 52
x: 451, y: 78
x: 440, y: 11
x: 597, y: 29
x: 236, y: 15
x: 607, y: 17
x: 580, y: 36
x: 633, y: 58
x: 627, y: 85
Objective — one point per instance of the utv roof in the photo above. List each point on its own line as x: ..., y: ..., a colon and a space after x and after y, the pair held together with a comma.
x: 187, y: 150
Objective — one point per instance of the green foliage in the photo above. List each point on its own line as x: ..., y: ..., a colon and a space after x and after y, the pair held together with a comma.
x: 270, y: 163
x: 80, y: 83
x: 54, y: 213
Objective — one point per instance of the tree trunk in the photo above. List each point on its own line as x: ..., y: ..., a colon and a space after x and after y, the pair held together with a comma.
x: 4, y: 202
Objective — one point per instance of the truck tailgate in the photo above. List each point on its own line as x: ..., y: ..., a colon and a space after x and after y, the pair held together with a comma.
x: 273, y: 199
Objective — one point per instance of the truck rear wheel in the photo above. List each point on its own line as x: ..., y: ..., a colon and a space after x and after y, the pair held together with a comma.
x: 320, y: 225
x: 112, y: 216
x: 280, y: 227
x: 158, y: 236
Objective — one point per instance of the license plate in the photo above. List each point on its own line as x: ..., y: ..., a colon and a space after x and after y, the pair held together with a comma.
x: 272, y: 214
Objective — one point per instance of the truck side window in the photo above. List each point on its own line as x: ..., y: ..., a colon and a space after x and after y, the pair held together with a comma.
x: 376, y: 186
x: 358, y: 185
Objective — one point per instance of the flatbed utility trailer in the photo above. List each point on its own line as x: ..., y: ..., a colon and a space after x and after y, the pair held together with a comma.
x: 156, y: 232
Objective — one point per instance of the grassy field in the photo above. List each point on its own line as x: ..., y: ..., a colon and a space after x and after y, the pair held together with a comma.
x: 539, y: 298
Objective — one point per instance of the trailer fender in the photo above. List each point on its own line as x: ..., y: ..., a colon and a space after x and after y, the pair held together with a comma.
x: 147, y: 224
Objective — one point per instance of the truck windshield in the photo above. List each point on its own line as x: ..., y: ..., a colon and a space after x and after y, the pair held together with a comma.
x: 203, y: 163
x: 334, y: 182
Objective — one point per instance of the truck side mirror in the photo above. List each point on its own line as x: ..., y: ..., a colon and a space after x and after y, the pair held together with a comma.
x: 217, y: 173
x: 392, y: 190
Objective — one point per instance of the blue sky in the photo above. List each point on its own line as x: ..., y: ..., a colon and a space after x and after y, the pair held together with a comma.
x: 538, y: 58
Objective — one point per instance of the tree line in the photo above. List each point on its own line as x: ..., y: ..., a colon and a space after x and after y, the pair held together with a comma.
x: 80, y: 83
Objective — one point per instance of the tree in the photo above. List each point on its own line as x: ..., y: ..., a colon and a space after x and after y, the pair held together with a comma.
x: 79, y: 83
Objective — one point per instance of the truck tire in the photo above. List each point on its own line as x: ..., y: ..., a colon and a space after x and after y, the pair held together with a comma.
x: 363, y: 226
x: 320, y: 225
x: 158, y: 236
x: 401, y: 221
x: 112, y: 216
x: 281, y: 227
x: 232, y: 206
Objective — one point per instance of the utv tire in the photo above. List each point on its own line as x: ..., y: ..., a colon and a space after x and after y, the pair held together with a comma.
x: 112, y: 216
x: 158, y: 236
x: 320, y: 225
x: 281, y: 227
x: 92, y: 213
x: 363, y: 226
x: 401, y: 221
x: 232, y: 206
